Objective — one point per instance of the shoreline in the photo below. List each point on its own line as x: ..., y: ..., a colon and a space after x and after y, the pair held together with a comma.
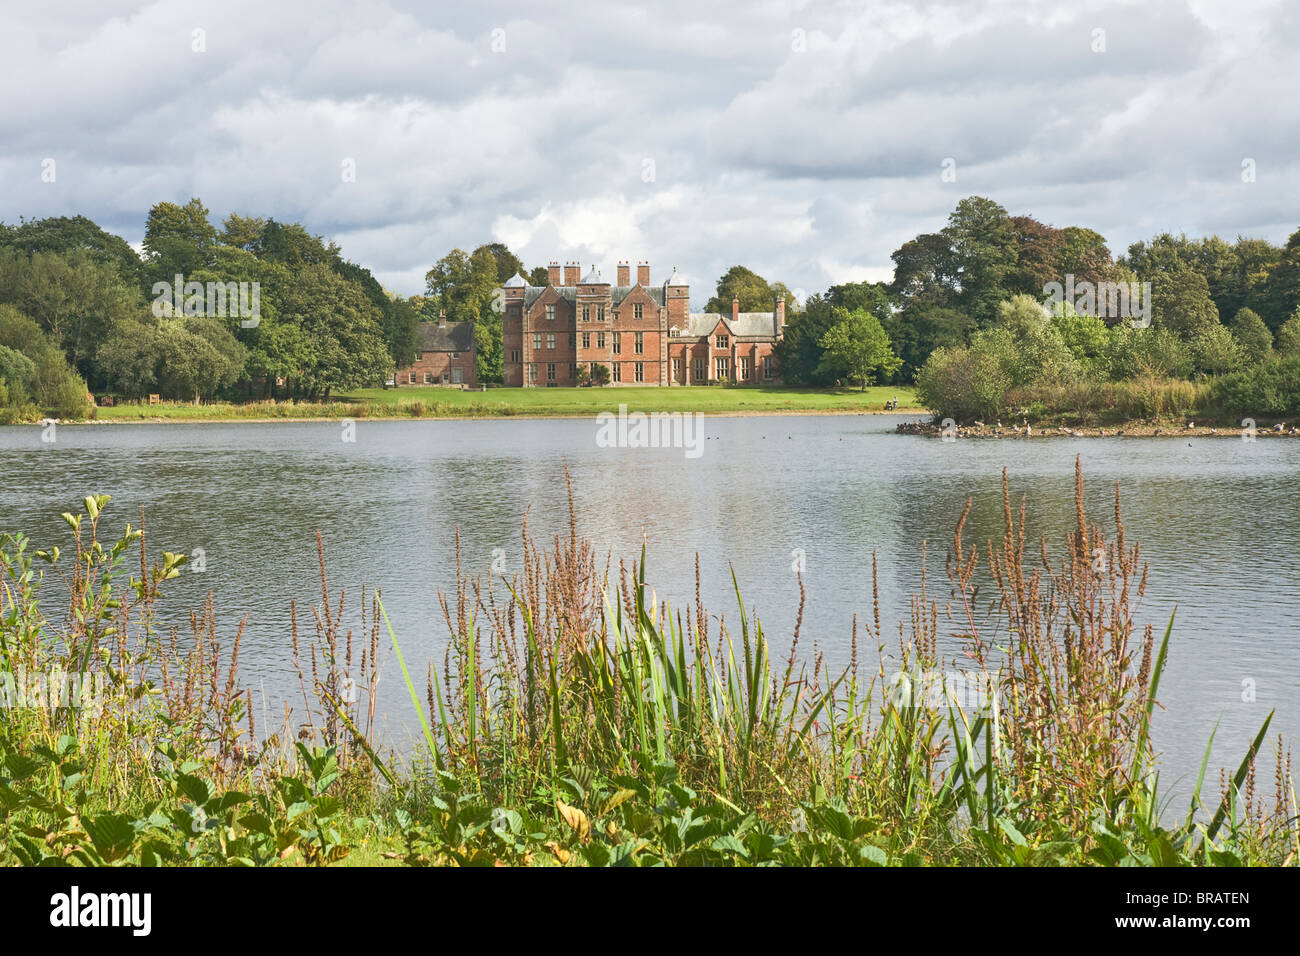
x: 544, y: 416
x: 1140, y: 428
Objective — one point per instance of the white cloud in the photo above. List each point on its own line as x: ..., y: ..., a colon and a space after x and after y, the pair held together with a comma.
x: 473, y: 124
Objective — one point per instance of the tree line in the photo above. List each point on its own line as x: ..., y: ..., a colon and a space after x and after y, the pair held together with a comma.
x: 79, y: 312
x: 73, y: 292
x: 969, y: 318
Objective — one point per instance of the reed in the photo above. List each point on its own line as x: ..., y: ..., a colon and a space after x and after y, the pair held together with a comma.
x: 577, y: 717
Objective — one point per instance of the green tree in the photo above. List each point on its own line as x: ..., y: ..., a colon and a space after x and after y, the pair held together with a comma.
x: 63, y: 235
x: 963, y: 384
x: 1180, y: 301
x: 857, y: 346
x: 129, y: 359
x: 55, y: 387
x: 1085, y: 256
x: 465, y: 286
x: 1215, y: 351
x: 755, y: 293
x: 1153, y: 352
x: 243, y: 232
x: 925, y: 270
x: 344, y: 341
x: 1027, y: 344
x: 507, y: 263
x: 922, y: 327
x: 983, y: 242
x: 799, y: 351
x: 1086, y: 336
x: 178, y: 240
x: 16, y: 374
x: 1282, y: 287
x: 1288, y: 336
x: 73, y: 296
x: 1252, y: 335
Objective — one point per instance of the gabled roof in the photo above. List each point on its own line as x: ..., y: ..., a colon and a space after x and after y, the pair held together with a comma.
x: 620, y: 292
x: 616, y: 293
x: 534, y: 292
x: 748, y: 325
x: 454, y: 337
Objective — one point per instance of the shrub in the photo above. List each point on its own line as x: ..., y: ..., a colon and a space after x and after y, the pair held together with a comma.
x: 1154, y: 352
x: 962, y: 383
x: 1252, y: 335
x: 1271, y: 387
x: 1215, y: 351
x: 1288, y: 336
x: 1149, y: 396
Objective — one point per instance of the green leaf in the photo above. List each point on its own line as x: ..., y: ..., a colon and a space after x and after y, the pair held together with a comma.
x: 874, y: 855
x: 112, y: 833
x: 194, y: 788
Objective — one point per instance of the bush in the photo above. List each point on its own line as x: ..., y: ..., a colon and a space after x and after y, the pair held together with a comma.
x: 1215, y: 351
x: 1252, y: 335
x: 1149, y: 396
x: 962, y: 383
x: 1288, y: 337
x: 1269, y: 388
x: 1154, y: 352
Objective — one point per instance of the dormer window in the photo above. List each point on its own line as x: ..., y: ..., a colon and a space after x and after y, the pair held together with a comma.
x: 550, y: 313
x: 721, y: 342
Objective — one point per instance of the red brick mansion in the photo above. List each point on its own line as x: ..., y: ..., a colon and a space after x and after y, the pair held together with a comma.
x: 644, y: 333
x: 445, y: 354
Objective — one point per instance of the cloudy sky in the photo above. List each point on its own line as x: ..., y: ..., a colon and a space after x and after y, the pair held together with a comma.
x: 805, y: 140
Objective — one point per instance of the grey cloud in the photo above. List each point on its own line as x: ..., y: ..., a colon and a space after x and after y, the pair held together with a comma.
x: 810, y: 167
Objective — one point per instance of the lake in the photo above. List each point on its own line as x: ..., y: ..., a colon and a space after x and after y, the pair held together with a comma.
x: 1218, y: 519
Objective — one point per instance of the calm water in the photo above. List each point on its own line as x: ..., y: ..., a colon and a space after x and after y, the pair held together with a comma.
x: 1218, y: 519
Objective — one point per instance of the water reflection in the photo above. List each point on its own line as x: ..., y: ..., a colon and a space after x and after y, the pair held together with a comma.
x: 1218, y: 520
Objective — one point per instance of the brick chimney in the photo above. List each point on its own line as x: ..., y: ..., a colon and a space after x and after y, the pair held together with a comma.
x: 572, y: 273
x: 442, y: 318
x: 624, y: 273
x: 735, y: 308
x: 643, y: 274
x: 553, y: 273
x: 780, y: 314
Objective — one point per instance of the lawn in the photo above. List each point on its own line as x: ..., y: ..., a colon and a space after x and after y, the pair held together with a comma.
x: 587, y: 401
x: 435, y: 402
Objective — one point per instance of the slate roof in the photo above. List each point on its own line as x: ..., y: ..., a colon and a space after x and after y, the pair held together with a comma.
x: 456, y: 337
x: 533, y: 292
x: 620, y: 292
x: 617, y: 293
x: 748, y: 325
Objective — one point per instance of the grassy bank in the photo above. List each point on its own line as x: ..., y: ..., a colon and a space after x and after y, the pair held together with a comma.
x: 576, y: 720
x: 1265, y: 396
x: 434, y: 402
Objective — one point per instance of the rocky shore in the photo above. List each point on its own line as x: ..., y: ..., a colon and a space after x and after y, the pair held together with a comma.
x: 1134, y: 429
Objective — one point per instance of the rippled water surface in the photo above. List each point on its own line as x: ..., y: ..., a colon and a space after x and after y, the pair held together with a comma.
x: 1218, y: 520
